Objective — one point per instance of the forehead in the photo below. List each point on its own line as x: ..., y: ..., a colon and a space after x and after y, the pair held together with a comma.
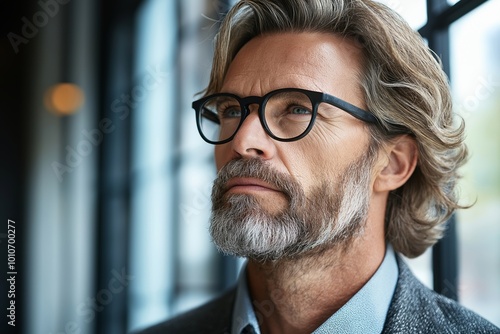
x: 309, y: 60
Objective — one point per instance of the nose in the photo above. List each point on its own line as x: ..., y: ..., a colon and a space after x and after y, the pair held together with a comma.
x: 251, y: 140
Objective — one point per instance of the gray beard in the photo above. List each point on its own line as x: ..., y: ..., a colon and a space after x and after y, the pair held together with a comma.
x: 332, y: 215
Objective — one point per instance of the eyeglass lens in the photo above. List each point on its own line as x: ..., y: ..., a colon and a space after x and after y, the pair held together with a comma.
x: 287, y: 115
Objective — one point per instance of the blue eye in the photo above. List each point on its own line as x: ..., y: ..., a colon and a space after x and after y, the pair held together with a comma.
x: 230, y: 112
x: 298, y: 110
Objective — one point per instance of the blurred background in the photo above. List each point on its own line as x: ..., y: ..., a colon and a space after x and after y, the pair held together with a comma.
x: 107, y: 182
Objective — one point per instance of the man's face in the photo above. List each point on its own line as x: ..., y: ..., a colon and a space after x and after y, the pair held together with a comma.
x: 274, y: 199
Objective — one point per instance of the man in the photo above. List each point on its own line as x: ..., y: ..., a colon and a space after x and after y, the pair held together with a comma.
x: 336, y: 150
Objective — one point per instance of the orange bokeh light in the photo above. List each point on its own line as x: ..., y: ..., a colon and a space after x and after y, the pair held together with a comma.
x: 64, y: 98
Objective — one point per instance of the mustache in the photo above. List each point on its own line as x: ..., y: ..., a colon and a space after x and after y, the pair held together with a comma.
x: 258, y: 169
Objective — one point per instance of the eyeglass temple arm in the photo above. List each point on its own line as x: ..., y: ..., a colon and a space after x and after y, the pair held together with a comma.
x: 210, y: 115
x: 351, y: 109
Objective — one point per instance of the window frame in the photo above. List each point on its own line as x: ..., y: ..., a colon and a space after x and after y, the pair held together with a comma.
x: 440, y: 16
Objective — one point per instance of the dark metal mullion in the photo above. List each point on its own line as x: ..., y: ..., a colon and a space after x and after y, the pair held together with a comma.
x: 445, y: 262
x: 444, y: 18
x: 444, y: 255
x: 114, y: 193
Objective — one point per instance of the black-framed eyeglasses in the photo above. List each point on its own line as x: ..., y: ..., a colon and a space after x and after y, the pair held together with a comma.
x: 286, y: 114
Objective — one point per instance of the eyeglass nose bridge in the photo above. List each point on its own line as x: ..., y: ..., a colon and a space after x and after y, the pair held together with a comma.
x: 245, y: 104
x: 249, y: 100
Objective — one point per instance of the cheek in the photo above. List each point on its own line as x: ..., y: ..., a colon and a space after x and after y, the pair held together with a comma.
x: 328, y: 150
x: 310, y: 162
x: 320, y: 149
x: 221, y: 156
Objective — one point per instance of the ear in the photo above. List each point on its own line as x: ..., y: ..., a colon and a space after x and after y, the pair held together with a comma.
x: 399, y: 163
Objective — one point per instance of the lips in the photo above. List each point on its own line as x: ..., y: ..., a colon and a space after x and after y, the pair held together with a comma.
x: 248, y: 184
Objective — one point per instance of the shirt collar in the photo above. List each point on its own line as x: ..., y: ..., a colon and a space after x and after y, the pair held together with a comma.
x: 365, y: 312
x: 243, y: 313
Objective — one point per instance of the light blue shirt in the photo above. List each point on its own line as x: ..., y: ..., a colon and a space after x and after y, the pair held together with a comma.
x: 365, y: 312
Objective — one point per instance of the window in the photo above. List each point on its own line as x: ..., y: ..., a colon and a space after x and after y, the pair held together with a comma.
x: 475, y: 81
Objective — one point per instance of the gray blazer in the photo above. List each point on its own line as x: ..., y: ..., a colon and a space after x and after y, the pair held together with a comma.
x: 414, y: 309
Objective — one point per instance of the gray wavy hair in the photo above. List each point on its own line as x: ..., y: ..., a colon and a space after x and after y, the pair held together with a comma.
x: 404, y: 86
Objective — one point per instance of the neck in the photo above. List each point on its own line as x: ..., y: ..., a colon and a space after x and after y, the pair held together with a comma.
x: 298, y: 295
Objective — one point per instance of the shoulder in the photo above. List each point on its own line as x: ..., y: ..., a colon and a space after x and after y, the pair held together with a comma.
x: 417, y: 309
x: 213, y: 317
